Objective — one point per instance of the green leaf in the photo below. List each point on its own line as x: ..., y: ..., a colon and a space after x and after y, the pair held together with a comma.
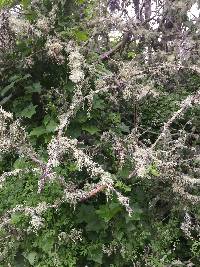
x: 90, y: 129
x: 51, y: 126
x: 123, y: 186
x: 98, y: 103
x: 81, y: 36
x: 124, y: 128
x: 16, y: 218
x: 7, y: 88
x: 31, y: 257
x: 131, y: 54
x: 28, y: 112
x: 107, y: 212
x: 38, y: 131
x: 82, y: 117
x: 153, y: 170
x: 34, y: 88
x: 20, y: 163
x: 115, y: 117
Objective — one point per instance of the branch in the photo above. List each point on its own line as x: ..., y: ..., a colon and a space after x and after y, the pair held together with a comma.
x: 185, y: 105
x: 119, y: 46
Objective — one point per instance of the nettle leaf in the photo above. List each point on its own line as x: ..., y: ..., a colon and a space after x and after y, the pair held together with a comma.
x: 96, y: 255
x: 31, y: 257
x: 38, y: 131
x: 13, y: 80
x: 98, y: 103
x: 34, y: 88
x: 123, y: 186
x: 92, y: 129
x: 124, y: 128
x: 153, y: 170
x: 28, y: 112
x: 51, y: 126
x: 7, y: 88
x: 108, y: 211
x: 81, y: 35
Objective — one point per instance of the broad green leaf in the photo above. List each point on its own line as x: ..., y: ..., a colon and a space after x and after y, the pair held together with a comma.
x: 34, y: 88
x: 81, y: 36
x: 51, y: 126
x: 13, y: 80
x: 38, y: 131
x: 82, y: 117
x: 91, y: 129
x: 31, y: 257
x: 20, y: 163
x: 98, y: 103
x: 123, y: 186
x: 107, y: 212
x: 124, y: 128
x: 28, y: 112
x: 7, y: 88
x: 96, y: 256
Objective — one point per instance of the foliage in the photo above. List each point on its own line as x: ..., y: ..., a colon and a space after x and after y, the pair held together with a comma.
x: 99, y: 133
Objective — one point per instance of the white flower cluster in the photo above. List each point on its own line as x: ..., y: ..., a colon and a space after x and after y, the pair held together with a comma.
x: 36, y: 223
x: 43, y: 24
x: 186, y: 225
x: 19, y: 25
x: 74, y: 236
x: 54, y: 49
x: 7, y: 131
x: 76, y: 64
x: 142, y: 157
x: 83, y: 160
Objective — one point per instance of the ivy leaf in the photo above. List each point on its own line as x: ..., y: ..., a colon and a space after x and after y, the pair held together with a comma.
x: 28, y: 112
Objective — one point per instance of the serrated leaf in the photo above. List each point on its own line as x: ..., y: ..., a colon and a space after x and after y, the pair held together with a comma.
x: 91, y: 129
x: 34, y: 88
x: 124, y: 128
x: 28, y: 112
x: 98, y: 103
x: 51, y: 126
x: 96, y: 256
x: 7, y: 88
x: 81, y: 36
x: 107, y: 212
x: 31, y: 257
x: 38, y: 131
